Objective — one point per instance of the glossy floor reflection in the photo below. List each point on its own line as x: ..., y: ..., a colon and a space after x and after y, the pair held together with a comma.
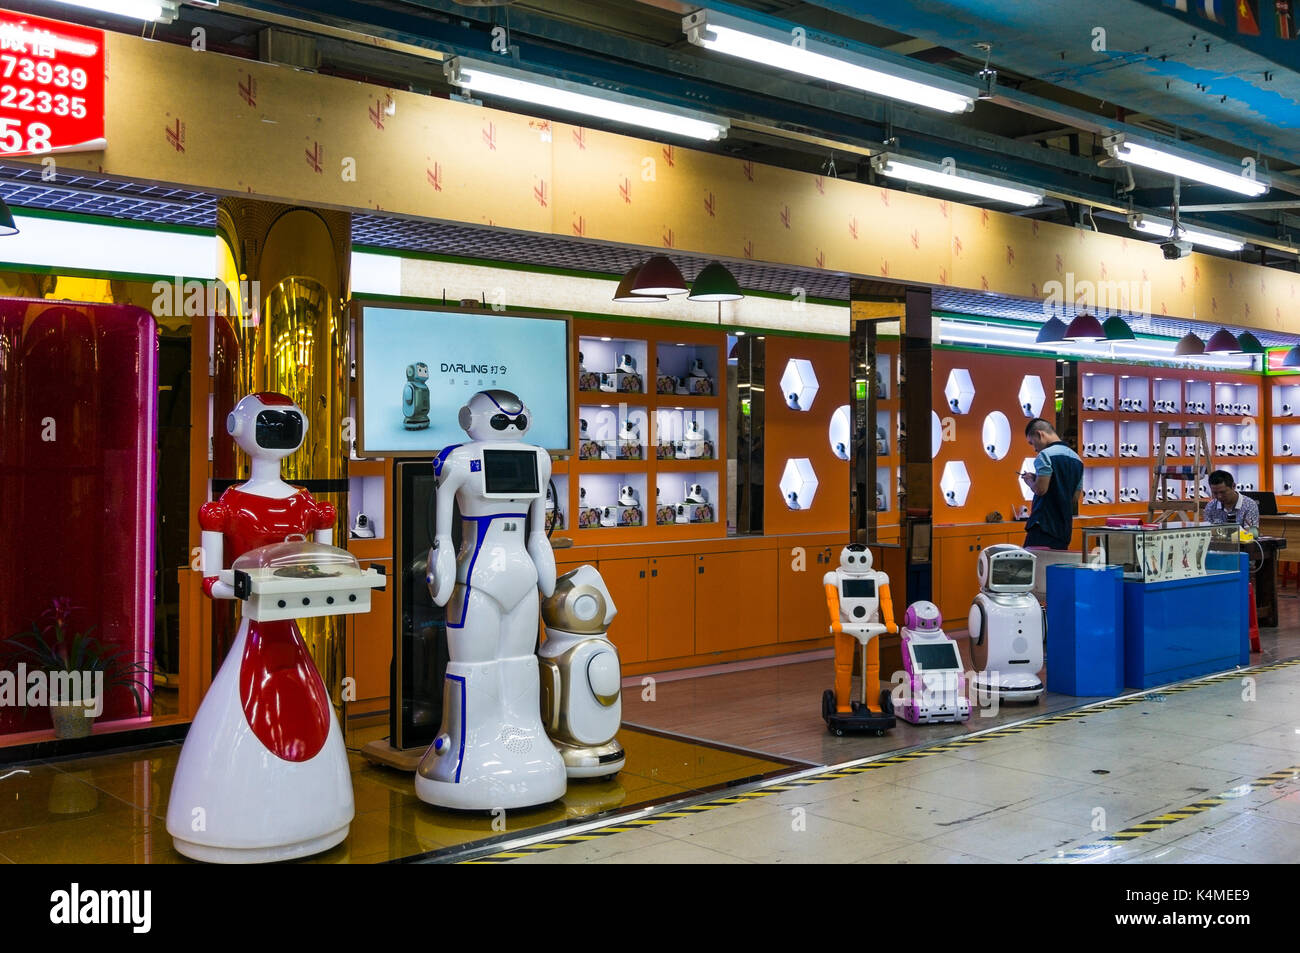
x: 112, y: 808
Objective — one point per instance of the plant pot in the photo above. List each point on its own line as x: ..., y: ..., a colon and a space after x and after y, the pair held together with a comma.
x: 73, y: 721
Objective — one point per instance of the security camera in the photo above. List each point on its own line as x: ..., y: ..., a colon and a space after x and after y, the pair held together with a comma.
x: 1174, y: 250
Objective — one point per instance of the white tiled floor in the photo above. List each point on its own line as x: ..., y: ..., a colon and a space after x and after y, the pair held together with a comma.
x: 1028, y: 797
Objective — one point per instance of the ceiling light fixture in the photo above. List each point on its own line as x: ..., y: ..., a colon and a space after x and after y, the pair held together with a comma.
x: 1151, y: 155
x: 715, y: 283
x: 624, y: 293
x: 659, y: 277
x: 948, y: 178
x: 163, y: 11
x: 7, y: 224
x: 1117, y: 329
x: 1053, y: 330
x: 1292, y: 357
x: 775, y: 45
x: 1189, y: 345
x: 1164, y: 228
x: 1222, y: 341
x: 1249, y: 344
x: 492, y: 79
x: 1085, y: 329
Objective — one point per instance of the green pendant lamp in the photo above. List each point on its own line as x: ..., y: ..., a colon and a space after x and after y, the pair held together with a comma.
x: 1249, y: 344
x: 715, y: 283
x: 1117, y: 329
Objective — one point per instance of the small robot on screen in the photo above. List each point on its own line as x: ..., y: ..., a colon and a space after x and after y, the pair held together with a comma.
x: 492, y: 751
x: 263, y: 775
x: 415, y: 397
x: 1007, y: 625
x: 934, y: 689
x: 856, y: 594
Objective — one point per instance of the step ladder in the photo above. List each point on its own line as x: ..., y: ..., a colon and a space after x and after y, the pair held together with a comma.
x: 1161, y: 506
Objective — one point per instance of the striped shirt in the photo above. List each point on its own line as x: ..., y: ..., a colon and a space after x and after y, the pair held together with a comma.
x: 1245, y: 513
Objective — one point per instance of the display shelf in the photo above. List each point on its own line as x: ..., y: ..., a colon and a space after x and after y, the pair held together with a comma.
x: 886, y: 384
x: 686, y: 498
x: 1286, y: 400
x: 1133, y: 394
x: 1236, y: 400
x: 885, y: 436
x: 1134, y: 440
x: 1166, y: 395
x: 1286, y: 441
x: 613, y: 432
x: 1098, y: 392
x: 686, y: 370
x: 686, y: 433
x: 1098, y: 439
x: 1286, y: 481
x: 1198, y: 398
x: 603, y: 365
x: 1134, y: 485
x: 996, y: 435
x: 959, y: 391
x: 557, y: 509
x: 1234, y: 442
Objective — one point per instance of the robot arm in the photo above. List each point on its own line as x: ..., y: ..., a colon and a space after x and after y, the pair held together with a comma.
x: 326, y: 514
x: 442, y: 559
x: 887, y: 607
x: 539, y: 547
x: 211, y: 557
x: 833, y: 606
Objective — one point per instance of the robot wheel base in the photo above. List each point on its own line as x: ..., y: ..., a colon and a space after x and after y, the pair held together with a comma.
x: 861, y: 720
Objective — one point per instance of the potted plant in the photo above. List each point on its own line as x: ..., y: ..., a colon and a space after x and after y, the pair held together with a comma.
x: 75, y: 660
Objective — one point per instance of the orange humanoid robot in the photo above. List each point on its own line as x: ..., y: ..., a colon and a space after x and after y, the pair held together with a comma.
x: 855, y: 595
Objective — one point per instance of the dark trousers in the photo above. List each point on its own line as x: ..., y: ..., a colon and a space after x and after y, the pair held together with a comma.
x: 1036, y: 537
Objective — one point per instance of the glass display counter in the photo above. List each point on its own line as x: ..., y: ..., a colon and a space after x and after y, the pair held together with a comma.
x: 1158, y: 554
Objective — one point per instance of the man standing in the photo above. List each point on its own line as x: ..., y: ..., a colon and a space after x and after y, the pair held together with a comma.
x: 1229, y: 506
x: 1057, y: 481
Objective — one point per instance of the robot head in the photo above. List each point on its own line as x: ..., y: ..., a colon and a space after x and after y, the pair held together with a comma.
x: 1005, y: 567
x: 267, y: 426
x: 581, y: 603
x: 855, y: 559
x: 923, y: 617
x: 417, y: 372
x: 495, y: 415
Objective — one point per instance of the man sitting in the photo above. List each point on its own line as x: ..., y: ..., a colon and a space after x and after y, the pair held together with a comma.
x: 1229, y: 506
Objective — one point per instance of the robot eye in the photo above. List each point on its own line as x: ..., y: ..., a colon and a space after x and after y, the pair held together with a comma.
x: 279, y: 430
x: 521, y: 422
x: 499, y: 421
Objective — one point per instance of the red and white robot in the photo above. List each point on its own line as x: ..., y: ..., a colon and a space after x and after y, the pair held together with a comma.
x: 492, y: 751
x: 263, y: 775
x: 855, y: 596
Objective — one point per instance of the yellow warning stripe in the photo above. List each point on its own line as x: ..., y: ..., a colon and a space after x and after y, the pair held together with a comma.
x: 849, y: 771
x: 1160, y: 822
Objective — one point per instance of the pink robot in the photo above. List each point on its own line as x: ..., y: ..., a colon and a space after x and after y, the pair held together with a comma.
x: 263, y: 775
x: 936, y: 686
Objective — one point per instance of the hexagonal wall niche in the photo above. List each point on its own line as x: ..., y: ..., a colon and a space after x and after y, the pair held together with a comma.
x: 798, y: 483
x: 799, y: 384
x: 959, y: 390
x: 936, y: 435
x: 1026, y: 466
x: 1031, y: 396
x: 955, y: 483
x: 996, y: 435
x: 841, y: 431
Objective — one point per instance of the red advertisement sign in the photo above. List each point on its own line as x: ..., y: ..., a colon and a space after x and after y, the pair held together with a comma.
x: 51, y: 86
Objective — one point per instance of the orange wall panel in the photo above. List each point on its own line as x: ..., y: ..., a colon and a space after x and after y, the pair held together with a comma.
x: 790, y: 434
x: 671, y: 613
x: 626, y: 579
x: 736, y: 600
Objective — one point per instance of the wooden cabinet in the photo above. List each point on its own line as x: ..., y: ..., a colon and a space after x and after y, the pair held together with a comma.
x: 802, y: 597
x: 370, y: 642
x: 956, y: 583
x: 671, y: 614
x: 628, y: 580
x: 736, y: 600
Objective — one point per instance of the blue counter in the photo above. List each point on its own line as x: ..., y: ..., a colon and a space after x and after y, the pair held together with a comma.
x: 1085, y: 630
x: 1187, y: 627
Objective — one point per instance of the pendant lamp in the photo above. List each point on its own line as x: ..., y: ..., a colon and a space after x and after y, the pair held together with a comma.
x: 715, y: 283
x: 1084, y: 328
x: 1053, y: 330
x: 7, y: 226
x: 1117, y: 329
x: 624, y: 293
x: 1292, y: 357
x: 658, y: 277
x: 1222, y: 342
x: 1189, y: 346
x: 1249, y: 344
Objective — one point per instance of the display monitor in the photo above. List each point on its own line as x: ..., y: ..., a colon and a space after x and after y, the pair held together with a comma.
x: 416, y: 413
x: 510, y: 472
x: 1012, y: 573
x: 936, y: 657
x: 859, y: 588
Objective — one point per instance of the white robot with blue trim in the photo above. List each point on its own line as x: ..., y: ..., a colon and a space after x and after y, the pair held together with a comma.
x: 492, y: 751
x: 1007, y: 626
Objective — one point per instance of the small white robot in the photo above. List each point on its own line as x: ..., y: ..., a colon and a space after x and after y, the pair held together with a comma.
x: 491, y: 751
x: 856, y: 594
x: 692, y: 444
x: 582, y: 702
x: 935, y: 690
x: 415, y: 397
x: 1007, y: 626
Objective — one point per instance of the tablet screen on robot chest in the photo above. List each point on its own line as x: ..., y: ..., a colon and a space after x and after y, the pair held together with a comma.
x: 859, y: 588
x: 510, y: 473
x: 934, y: 658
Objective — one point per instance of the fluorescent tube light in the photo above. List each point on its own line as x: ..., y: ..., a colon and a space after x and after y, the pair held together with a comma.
x: 491, y: 79
x: 1163, y: 228
x: 1222, y: 175
x: 789, y: 49
x: 163, y: 11
x: 968, y: 183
